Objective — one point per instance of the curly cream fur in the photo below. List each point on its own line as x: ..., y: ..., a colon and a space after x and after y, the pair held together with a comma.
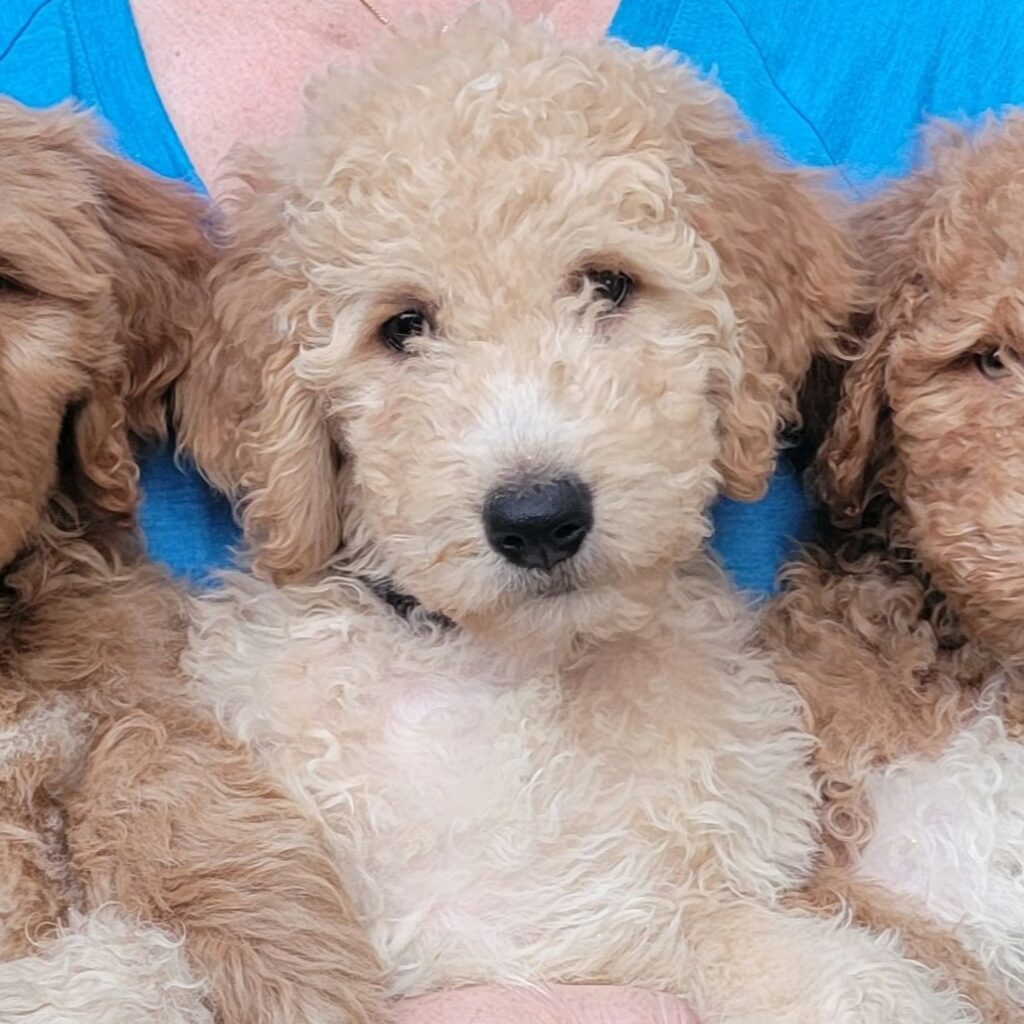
x: 905, y: 638
x: 149, y: 870
x: 631, y: 159
x: 586, y: 775
x: 103, y: 967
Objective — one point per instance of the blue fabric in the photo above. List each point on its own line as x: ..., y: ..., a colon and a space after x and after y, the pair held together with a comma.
x: 832, y: 82
x: 88, y: 49
x: 844, y: 83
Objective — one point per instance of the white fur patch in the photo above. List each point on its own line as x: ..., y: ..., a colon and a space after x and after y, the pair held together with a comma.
x: 494, y: 827
x: 102, y: 968
x: 56, y: 728
x: 950, y: 832
x: 502, y: 824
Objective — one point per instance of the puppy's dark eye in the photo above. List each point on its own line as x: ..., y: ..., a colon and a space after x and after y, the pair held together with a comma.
x: 611, y: 286
x: 399, y: 329
x: 992, y: 363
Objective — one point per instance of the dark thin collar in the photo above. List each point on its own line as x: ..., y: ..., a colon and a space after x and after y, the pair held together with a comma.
x: 405, y: 605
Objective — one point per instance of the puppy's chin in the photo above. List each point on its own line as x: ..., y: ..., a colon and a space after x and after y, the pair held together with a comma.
x: 544, y: 630
x: 537, y: 620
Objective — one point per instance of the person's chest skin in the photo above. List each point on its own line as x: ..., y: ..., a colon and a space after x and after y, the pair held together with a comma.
x: 233, y: 71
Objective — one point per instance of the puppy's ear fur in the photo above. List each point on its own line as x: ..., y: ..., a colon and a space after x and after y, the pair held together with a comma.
x: 895, y: 232
x: 856, y: 439
x: 157, y: 264
x: 245, y: 415
x: 165, y: 257
x: 788, y: 266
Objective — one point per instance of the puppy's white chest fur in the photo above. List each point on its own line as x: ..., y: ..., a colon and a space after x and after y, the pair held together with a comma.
x: 949, y: 832
x: 504, y: 825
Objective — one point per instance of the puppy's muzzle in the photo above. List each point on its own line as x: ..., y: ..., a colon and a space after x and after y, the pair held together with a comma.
x: 540, y: 524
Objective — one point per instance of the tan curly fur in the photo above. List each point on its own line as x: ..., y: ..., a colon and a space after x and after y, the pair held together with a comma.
x: 128, y: 817
x: 904, y: 636
x: 578, y: 775
x: 763, y: 232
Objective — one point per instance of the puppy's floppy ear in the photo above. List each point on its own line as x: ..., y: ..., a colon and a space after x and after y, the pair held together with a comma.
x: 858, y: 436
x: 894, y: 233
x: 157, y: 256
x: 253, y: 426
x: 164, y: 257
x: 788, y: 268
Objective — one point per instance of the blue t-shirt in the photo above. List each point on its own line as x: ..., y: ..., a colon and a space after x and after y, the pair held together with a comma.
x: 839, y: 83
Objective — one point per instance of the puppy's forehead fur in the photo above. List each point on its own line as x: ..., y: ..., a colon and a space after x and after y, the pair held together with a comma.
x: 956, y: 224
x: 445, y: 107
x: 455, y: 149
x: 947, y: 248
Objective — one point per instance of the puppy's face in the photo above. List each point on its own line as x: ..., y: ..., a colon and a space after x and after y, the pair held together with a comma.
x: 521, y: 377
x: 957, y: 393
x: 528, y: 309
x: 92, y: 253
x: 938, y: 396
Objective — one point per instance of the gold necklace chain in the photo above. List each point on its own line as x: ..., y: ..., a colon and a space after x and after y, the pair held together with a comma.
x: 386, y: 22
x: 377, y: 14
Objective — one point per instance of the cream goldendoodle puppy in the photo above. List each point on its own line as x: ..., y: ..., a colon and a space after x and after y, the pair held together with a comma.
x: 493, y: 332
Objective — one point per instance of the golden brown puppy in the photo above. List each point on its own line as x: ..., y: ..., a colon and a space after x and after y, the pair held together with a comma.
x: 907, y: 639
x: 125, y: 811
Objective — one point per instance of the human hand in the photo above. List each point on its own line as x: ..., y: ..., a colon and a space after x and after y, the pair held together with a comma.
x: 555, y: 1004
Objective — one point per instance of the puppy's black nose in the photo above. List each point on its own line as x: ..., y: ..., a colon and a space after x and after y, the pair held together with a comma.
x: 538, y: 525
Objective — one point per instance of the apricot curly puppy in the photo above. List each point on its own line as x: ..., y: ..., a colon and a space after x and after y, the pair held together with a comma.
x: 906, y: 640
x: 505, y: 318
x: 126, y: 815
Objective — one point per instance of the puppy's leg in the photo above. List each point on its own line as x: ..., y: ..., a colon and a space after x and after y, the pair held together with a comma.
x: 751, y: 964
x: 102, y: 968
x: 175, y: 823
x: 833, y: 892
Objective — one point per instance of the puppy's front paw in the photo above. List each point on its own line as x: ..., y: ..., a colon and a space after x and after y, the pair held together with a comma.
x: 898, y: 992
